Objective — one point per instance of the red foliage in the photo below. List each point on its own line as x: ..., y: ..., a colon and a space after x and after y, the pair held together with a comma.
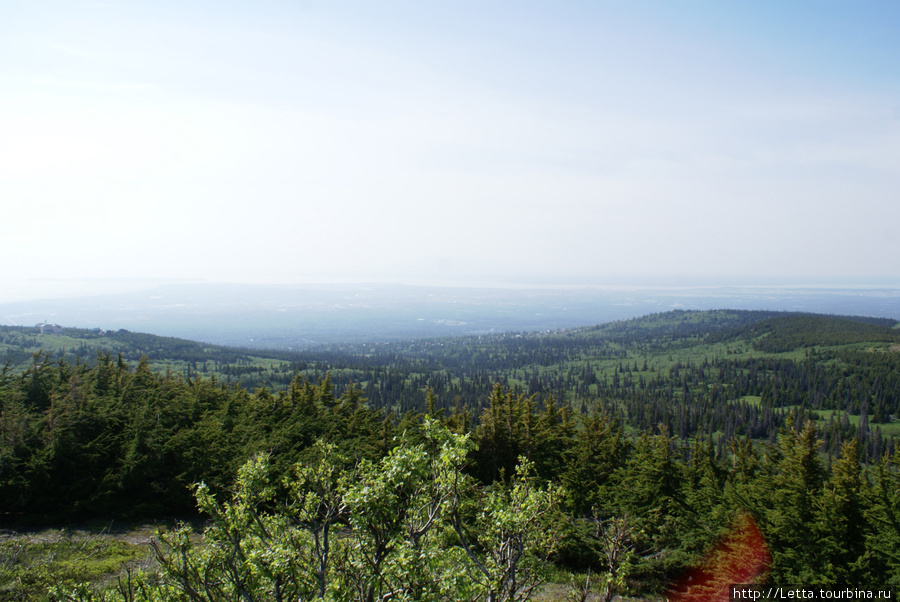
x: 740, y: 557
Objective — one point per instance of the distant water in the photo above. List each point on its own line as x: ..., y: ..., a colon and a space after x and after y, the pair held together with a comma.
x: 300, y: 316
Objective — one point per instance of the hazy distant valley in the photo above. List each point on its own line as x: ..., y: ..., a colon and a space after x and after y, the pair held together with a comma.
x: 294, y: 317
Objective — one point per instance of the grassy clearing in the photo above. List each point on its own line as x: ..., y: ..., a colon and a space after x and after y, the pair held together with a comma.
x: 749, y: 399
x: 887, y: 428
x: 31, y: 562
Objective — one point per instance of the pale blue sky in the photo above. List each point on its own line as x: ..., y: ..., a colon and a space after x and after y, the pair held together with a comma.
x: 547, y: 142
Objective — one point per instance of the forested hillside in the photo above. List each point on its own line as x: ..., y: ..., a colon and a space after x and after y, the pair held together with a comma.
x: 659, y: 436
x: 18, y: 345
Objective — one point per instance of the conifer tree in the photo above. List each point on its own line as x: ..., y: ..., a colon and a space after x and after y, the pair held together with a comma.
x: 842, y: 528
x: 790, y: 513
x: 883, y: 514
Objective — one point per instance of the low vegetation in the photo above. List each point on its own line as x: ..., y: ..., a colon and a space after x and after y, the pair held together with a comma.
x: 33, y: 562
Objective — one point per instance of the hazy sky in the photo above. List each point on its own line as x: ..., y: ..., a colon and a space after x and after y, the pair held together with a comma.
x: 548, y: 142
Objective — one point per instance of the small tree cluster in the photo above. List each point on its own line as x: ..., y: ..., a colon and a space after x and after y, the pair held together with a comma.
x: 411, y: 526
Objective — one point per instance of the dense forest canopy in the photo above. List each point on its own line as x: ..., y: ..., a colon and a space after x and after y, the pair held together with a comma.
x: 660, y: 433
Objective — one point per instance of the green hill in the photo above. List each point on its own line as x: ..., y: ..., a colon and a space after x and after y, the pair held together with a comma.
x: 18, y: 345
x: 786, y: 333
